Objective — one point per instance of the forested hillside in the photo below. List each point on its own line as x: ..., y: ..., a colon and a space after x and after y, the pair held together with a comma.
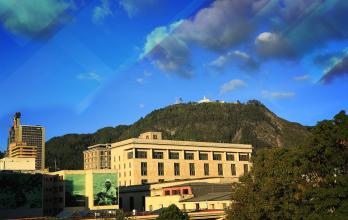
x: 249, y: 123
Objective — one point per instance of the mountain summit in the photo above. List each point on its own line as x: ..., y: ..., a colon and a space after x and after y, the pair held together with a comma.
x: 249, y: 123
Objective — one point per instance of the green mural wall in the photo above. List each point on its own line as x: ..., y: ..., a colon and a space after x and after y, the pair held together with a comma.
x: 75, y: 190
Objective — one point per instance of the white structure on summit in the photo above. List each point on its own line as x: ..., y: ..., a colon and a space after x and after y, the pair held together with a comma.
x: 204, y: 100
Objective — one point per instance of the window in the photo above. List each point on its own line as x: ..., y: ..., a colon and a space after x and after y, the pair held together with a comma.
x: 166, y: 192
x: 173, y: 155
x: 206, y: 169
x: 220, y: 170
x: 233, y: 170
x: 144, y: 181
x: 176, y: 192
x: 150, y: 208
x: 161, y: 180
x: 154, y: 136
x: 130, y: 155
x: 140, y: 154
x: 197, y: 206
x: 189, y: 156
x: 243, y: 157
x: 224, y: 205
x: 185, y: 192
x: 230, y: 156
x: 203, y: 156
x: 143, y: 168
x: 216, y: 156
x: 157, y: 155
x: 176, y: 169
x: 192, y: 169
x: 160, y: 169
x: 246, y: 168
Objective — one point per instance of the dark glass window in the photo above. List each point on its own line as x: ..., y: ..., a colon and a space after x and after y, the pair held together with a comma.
x: 216, y: 156
x: 157, y: 155
x: 189, y: 156
x: 160, y: 169
x: 230, y: 156
x: 192, y: 169
x: 174, y: 155
x: 176, y: 169
x: 140, y: 154
x: 143, y: 181
x: 206, y: 169
x: 203, y: 156
x: 130, y: 155
x: 233, y: 170
x: 220, y: 170
x: 246, y: 168
x: 243, y: 157
x: 143, y: 168
x: 166, y: 192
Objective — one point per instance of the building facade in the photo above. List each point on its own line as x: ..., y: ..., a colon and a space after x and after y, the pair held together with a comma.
x: 16, y: 163
x: 150, y: 159
x: 30, y: 194
x: 97, y: 157
x: 27, y: 141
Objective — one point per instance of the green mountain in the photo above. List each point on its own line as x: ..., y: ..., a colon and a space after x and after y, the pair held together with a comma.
x: 249, y: 123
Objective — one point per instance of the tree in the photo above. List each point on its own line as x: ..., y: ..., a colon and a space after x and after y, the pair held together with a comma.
x: 120, y: 215
x: 300, y: 182
x: 172, y: 213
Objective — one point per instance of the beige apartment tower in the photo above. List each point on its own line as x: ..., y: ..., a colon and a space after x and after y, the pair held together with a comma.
x: 97, y: 157
x: 150, y: 159
x: 27, y: 141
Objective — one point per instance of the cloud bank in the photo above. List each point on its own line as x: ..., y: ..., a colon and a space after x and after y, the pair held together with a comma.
x: 34, y: 18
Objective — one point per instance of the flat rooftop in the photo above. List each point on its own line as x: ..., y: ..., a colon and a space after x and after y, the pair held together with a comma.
x: 179, y: 143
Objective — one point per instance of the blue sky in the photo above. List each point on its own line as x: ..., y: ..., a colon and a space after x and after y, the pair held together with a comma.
x: 75, y: 66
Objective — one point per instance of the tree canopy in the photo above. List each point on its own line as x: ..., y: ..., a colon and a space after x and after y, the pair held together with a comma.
x: 308, y: 182
x: 172, y: 212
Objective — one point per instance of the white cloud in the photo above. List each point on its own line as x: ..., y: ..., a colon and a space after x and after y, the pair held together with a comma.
x: 141, y: 105
x: 272, y: 45
x: 157, y: 36
x: 222, y: 25
x: 277, y: 95
x: 232, y: 85
x: 35, y: 18
x: 239, y: 58
x: 302, y: 77
x: 90, y: 76
x: 134, y: 7
x: 101, y: 11
x: 140, y: 80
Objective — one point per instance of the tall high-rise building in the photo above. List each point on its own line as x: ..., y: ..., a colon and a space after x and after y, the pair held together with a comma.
x: 27, y: 141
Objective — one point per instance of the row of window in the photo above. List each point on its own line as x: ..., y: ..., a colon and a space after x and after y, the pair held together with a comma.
x: 187, y: 155
x: 160, y: 169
